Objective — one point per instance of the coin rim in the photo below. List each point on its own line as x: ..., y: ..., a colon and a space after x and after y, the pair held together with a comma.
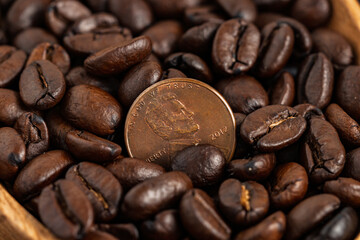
x: 189, y: 80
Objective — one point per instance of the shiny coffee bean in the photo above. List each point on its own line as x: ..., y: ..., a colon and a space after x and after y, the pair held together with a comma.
x: 100, y: 186
x: 283, y: 92
x: 116, y: 59
x: 11, y: 64
x: 202, y: 14
x: 347, y: 189
x: 255, y: 168
x: 272, y: 128
x: 307, y: 111
x: 28, y: 39
x: 352, y: 164
x: 132, y: 171
x: 95, y: 235
x: 12, y: 153
x: 243, y: 203
x: 93, y: 22
x: 152, y: 196
x: 271, y: 228
x: 126, y: 231
x: 92, y: 109
x: 235, y: 47
x: 198, y: 209
x: 42, y: 85
x: 172, y: 73
x: 322, y: 153
x: 243, y: 9
x: 34, y: 132
x: 171, y: 8
x: 311, y: 14
x: 288, y: 185
x: 73, y: 211
x: 11, y: 106
x: 204, y: 164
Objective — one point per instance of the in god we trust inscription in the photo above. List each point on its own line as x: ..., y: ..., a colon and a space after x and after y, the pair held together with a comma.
x: 173, y: 114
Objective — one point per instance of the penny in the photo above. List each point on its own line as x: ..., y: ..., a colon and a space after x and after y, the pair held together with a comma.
x: 176, y: 113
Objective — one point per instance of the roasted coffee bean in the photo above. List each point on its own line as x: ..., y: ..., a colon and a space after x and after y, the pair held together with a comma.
x: 60, y: 14
x: 11, y: 64
x: 243, y: 93
x: 12, y: 153
x: 120, y: 57
x: 204, y: 164
x: 275, y: 49
x: 121, y: 231
x: 28, y: 39
x: 287, y: 185
x: 271, y: 228
x: 283, y: 92
x: 42, y: 85
x: 235, y: 47
x: 133, y: 14
x: 334, y: 46
x: 348, y: 91
x: 202, y: 14
x: 164, y: 36
x: 92, y: 23
x: 136, y: 80
x: 322, y: 153
x: 72, y: 210
x: 198, y: 209
x: 255, y: 168
x: 171, y: 8
x: 311, y: 13
x: 34, y: 132
x: 316, y: 81
x: 100, y: 186
x: 347, y: 189
x: 352, y: 164
x: 243, y: 203
x: 172, y: 73
x: 92, y: 109
x: 243, y: 9
x: 89, y: 147
x: 165, y: 225
x: 132, y: 171
x: 96, y: 235
x: 152, y: 196
x: 342, y: 226
x: 53, y: 53
x: 348, y: 128
x: 307, y: 111
x: 11, y: 106
x: 272, y: 128
x: 309, y: 213
x: 190, y: 64
x: 273, y: 5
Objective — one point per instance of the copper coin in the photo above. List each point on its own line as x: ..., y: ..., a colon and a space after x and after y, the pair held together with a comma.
x: 173, y: 114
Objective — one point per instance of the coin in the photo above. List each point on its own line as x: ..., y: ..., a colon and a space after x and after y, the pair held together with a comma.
x: 173, y: 114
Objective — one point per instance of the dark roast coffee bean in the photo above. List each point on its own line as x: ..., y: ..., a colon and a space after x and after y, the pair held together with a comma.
x: 132, y: 171
x: 190, y: 64
x: 42, y: 85
x: 347, y: 189
x: 121, y: 231
x: 256, y: 168
x: 283, y: 92
x: 202, y: 14
x: 307, y: 111
x: 133, y: 14
x: 12, y: 153
x: 348, y: 91
x: 204, y: 164
x: 334, y: 46
x: 40, y: 172
x: 92, y: 109
x: 165, y: 225
x: 34, y: 132
x: 11, y: 64
x: 136, y: 80
x: 243, y: 204
x: 72, y: 210
x: 322, y: 153
x: 96, y: 235
x: 243, y: 9
x: 92, y: 23
x: 315, y: 81
x: 89, y: 147
x: 271, y: 228
x: 100, y: 186
x: 198, y: 209
x: 272, y: 128
x: 235, y: 46
x: 311, y: 13
x: 152, y: 196
x: 11, y: 106
x: 288, y: 185
x: 53, y: 53
x: 120, y: 57
x: 171, y: 8
x: 62, y: 13
x: 352, y: 164
x: 243, y: 93
x: 28, y: 39
x: 172, y: 73
x: 164, y: 36
x: 348, y: 128
x: 309, y: 213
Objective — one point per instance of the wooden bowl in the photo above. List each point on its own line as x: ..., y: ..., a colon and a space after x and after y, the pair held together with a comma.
x: 15, y: 221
